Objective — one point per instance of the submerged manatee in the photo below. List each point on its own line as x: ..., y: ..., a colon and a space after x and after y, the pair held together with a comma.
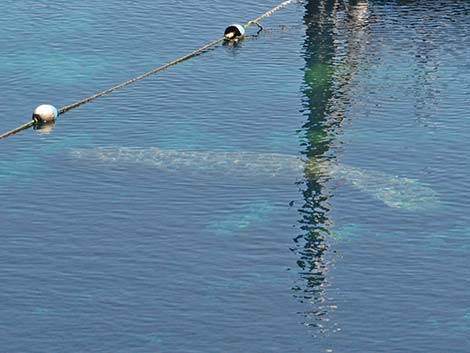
x: 233, y: 163
x: 394, y: 191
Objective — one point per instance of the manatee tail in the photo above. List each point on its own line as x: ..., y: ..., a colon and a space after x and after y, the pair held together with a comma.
x: 394, y: 191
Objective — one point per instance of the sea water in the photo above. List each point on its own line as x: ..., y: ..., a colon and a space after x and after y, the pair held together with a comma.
x: 99, y: 256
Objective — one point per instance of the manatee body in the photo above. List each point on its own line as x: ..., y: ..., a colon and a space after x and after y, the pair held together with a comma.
x: 250, y: 164
x: 394, y: 191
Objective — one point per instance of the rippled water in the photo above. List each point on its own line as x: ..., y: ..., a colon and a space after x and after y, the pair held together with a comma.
x: 302, y: 191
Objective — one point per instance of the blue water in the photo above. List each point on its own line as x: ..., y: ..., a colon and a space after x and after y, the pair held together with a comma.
x: 123, y: 256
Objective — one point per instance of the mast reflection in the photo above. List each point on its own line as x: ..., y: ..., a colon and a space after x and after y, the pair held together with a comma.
x: 335, y: 40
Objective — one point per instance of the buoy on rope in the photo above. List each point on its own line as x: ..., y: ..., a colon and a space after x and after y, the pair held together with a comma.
x: 234, y: 32
x: 44, y: 114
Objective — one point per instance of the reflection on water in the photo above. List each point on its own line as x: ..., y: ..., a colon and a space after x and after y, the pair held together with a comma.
x: 336, y: 33
x: 405, y: 63
x: 182, y: 249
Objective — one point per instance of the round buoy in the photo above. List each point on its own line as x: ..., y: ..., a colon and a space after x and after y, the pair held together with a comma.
x: 45, y: 113
x: 234, y: 32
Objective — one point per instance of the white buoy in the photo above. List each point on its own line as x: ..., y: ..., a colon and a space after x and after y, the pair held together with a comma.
x: 234, y: 32
x: 45, y: 113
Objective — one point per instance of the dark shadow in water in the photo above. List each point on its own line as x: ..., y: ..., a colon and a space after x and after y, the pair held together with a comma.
x: 334, y: 44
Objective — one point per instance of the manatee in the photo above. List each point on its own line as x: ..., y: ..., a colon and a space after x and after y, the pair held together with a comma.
x: 393, y: 191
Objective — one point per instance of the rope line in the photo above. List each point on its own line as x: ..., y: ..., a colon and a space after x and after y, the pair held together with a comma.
x: 268, y: 13
x: 18, y: 129
x: 151, y: 72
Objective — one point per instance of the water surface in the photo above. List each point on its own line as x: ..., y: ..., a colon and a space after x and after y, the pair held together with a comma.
x: 121, y: 256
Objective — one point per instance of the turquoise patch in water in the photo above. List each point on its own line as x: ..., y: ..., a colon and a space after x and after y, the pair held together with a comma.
x: 59, y: 69
x: 349, y: 232
x: 230, y: 223
x: 154, y: 339
x: 40, y: 311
